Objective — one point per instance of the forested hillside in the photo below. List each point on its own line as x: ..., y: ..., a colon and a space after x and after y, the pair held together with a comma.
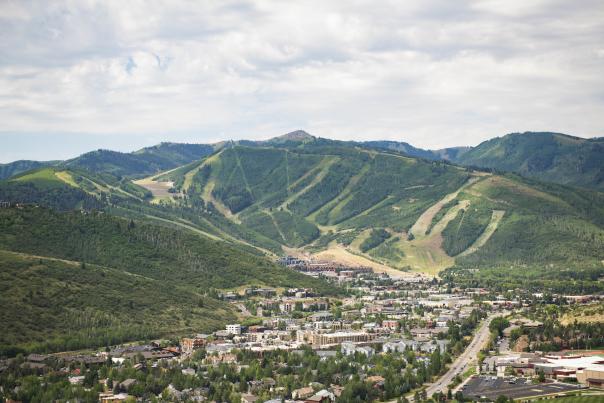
x: 142, y: 260
x: 143, y: 162
x: 550, y: 157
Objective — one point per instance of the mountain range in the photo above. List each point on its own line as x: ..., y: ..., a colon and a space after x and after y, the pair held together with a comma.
x: 550, y: 157
x: 197, y: 218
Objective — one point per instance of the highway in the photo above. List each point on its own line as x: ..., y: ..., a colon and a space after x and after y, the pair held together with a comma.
x: 462, y: 363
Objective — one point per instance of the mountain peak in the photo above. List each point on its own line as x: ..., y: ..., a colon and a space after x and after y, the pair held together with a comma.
x: 297, y: 135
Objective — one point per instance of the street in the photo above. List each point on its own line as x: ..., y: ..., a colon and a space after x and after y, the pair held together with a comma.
x: 462, y: 363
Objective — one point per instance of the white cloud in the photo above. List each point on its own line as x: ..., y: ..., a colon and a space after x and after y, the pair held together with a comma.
x: 434, y: 73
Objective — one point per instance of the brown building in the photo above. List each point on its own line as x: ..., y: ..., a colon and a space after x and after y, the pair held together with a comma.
x: 191, y: 344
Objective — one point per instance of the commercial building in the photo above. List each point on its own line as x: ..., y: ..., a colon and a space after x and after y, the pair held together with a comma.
x: 234, y: 328
x: 326, y: 339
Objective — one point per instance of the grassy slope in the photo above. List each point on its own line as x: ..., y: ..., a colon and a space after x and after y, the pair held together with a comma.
x: 17, y: 167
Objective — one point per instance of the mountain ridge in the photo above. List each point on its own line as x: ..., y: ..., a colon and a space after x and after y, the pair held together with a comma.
x: 523, y: 155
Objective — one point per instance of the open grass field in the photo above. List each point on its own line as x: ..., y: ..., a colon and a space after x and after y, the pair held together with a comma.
x: 580, y: 399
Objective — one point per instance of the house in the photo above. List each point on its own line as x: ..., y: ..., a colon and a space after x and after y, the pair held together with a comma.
x: 76, y: 380
x: 400, y: 346
x: 351, y: 349
x: 322, y: 396
x: 221, y: 358
x: 125, y: 385
x: 390, y: 324
x: 302, y: 393
x: 188, y: 371
x: 325, y: 354
x: 376, y: 381
x: 111, y: 398
x: 248, y: 398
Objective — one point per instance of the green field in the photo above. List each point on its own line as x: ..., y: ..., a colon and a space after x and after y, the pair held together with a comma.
x: 580, y: 399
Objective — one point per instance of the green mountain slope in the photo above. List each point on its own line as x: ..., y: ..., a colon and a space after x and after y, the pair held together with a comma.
x: 341, y: 201
x: 67, y: 189
x: 548, y: 237
x: 139, y: 260
x: 550, y: 157
x: 350, y: 203
x: 143, y: 162
x: 16, y: 167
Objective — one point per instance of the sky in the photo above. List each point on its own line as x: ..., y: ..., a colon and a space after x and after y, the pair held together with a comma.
x: 80, y: 75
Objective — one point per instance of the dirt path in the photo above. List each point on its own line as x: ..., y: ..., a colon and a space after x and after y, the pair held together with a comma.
x: 486, y: 234
x: 189, y: 227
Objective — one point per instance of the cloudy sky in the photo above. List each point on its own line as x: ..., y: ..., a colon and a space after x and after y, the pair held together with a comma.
x: 79, y: 75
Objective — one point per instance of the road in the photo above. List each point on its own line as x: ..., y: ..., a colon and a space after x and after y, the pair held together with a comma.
x: 462, y: 363
x: 243, y: 309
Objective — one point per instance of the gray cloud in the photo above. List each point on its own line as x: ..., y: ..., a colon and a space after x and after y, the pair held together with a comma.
x: 433, y: 72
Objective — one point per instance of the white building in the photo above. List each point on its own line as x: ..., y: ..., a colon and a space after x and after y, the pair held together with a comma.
x: 234, y: 329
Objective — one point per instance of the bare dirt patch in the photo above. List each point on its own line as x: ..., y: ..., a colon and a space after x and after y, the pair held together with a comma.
x: 338, y: 253
x: 159, y: 190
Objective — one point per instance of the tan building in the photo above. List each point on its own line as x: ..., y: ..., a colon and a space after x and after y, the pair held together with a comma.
x: 326, y: 339
x: 592, y: 376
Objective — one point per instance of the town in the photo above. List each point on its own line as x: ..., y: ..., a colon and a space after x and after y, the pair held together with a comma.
x: 412, y: 338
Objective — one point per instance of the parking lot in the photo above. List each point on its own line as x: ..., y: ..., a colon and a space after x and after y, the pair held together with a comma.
x: 491, y: 387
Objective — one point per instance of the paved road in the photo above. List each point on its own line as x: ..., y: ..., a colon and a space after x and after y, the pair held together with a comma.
x: 462, y: 363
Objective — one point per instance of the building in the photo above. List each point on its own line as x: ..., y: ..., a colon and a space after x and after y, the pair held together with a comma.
x: 390, y: 324
x: 326, y: 339
x: 234, y: 329
x: 111, y: 398
x: 400, y: 346
x: 248, y: 398
x: 351, y: 349
x: 592, y: 376
x: 189, y: 345
x: 303, y: 393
